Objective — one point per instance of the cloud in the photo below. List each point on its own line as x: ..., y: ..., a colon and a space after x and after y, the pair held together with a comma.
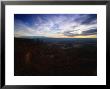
x: 90, y: 32
x: 56, y: 25
x: 87, y: 19
x: 82, y: 33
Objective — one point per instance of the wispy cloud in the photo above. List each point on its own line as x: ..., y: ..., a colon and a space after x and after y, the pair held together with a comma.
x: 55, y: 25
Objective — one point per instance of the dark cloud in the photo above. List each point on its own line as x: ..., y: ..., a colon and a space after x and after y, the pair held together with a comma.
x: 90, y: 32
x: 67, y: 33
x: 84, y: 33
x: 87, y: 19
x: 70, y: 33
x: 90, y: 19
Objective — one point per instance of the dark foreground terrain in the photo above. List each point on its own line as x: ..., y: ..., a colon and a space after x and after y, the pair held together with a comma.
x: 55, y: 57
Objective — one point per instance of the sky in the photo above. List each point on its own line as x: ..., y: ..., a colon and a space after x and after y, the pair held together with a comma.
x: 56, y: 25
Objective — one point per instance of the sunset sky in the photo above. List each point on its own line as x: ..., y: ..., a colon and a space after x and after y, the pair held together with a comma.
x: 56, y: 25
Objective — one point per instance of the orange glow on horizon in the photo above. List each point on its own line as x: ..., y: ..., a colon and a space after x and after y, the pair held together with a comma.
x: 80, y: 36
x: 63, y: 36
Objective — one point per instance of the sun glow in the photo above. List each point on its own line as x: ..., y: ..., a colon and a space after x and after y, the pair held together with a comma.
x: 79, y: 32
